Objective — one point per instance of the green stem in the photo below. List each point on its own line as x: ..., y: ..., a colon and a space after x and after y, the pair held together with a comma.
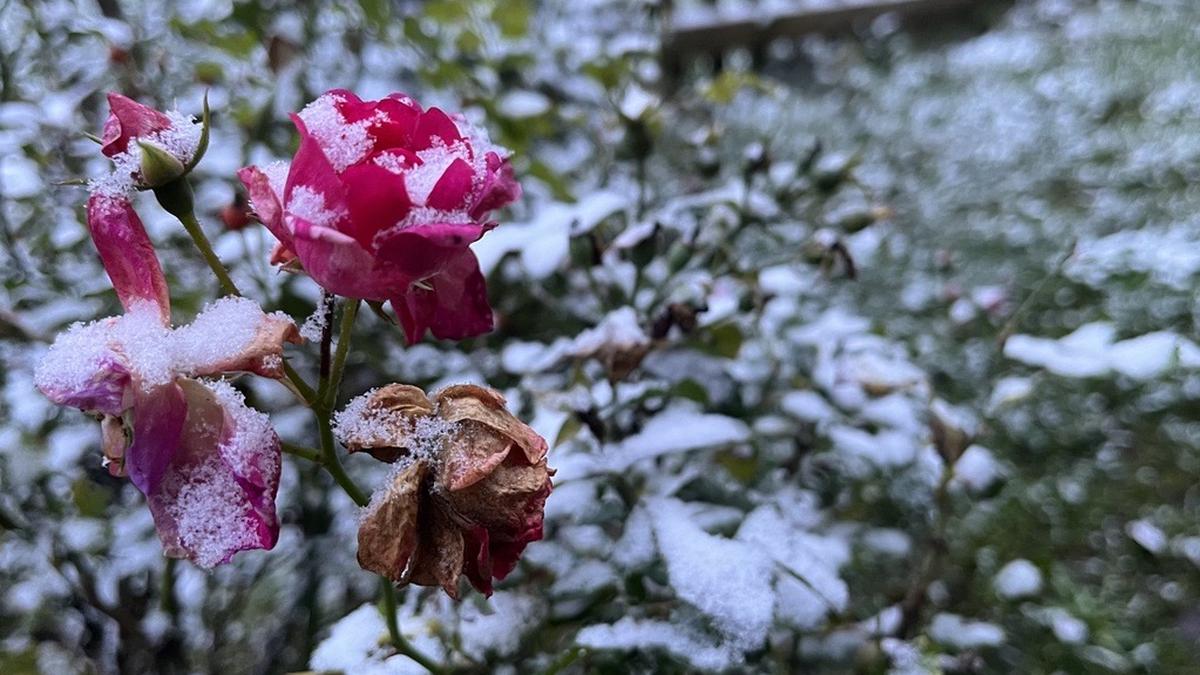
x: 311, y: 454
x: 349, y: 313
x: 333, y: 464
x: 188, y: 218
x: 206, y: 251
x: 401, y: 644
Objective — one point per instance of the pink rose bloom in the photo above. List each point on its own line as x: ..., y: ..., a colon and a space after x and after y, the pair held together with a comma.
x: 207, y: 463
x: 382, y: 201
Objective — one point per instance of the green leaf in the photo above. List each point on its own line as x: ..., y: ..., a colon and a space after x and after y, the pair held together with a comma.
x: 726, y: 340
x: 512, y: 17
x: 89, y: 498
x: 568, y: 431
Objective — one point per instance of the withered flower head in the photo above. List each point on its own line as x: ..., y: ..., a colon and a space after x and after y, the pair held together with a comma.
x: 468, y: 492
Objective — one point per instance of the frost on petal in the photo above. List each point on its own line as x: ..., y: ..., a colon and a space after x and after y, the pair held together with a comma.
x: 84, y: 370
x: 127, y: 254
x: 128, y: 119
x: 218, y: 495
x: 234, y: 334
x: 391, y: 422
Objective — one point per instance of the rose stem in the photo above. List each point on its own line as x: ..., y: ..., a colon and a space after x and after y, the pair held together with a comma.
x: 321, y: 410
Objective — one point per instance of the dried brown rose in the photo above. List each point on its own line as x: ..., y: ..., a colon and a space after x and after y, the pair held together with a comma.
x: 469, y: 491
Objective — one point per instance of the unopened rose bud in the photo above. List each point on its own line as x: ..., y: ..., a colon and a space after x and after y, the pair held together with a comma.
x: 158, y: 166
x: 236, y: 215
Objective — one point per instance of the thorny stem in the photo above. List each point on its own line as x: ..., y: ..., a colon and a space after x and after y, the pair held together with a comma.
x: 401, y: 644
x: 349, y: 313
x: 228, y: 287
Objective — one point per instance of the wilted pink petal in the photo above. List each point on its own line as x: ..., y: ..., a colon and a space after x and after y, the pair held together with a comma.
x: 218, y: 496
x: 266, y: 202
x: 128, y: 119
x: 158, y: 421
x: 456, y: 307
x: 233, y: 335
x: 127, y: 254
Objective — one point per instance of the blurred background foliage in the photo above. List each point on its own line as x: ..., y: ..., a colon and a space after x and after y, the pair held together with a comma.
x: 783, y: 287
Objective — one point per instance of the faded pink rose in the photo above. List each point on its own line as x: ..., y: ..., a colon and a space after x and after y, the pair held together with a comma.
x: 207, y: 463
x: 382, y: 201
x: 469, y: 493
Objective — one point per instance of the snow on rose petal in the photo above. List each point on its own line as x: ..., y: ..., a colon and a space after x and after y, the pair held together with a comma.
x: 381, y: 203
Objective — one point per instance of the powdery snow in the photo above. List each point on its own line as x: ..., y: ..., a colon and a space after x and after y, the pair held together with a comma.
x: 1093, y: 351
x: 955, y: 631
x: 727, y: 580
x: 631, y: 633
x: 1018, y: 579
x: 676, y: 430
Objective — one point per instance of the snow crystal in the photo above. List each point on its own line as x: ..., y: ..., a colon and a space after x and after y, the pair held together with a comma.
x: 314, y: 326
x: 727, y: 580
x: 522, y: 103
x: 808, y: 562
x: 223, y: 329
x: 955, y: 631
x: 1009, y: 390
x: 249, y: 451
x: 977, y: 469
x: 370, y: 426
x: 808, y: 406
x: 884, y: 449
x: 631, y: 633
x: 1066, y: 628
x: 209, y: 508
x: 1147, y: 535
x: 1091, y: 351
x: 181, y: 140
x: 676, y: 430
x: 308, y: 204
x: 635, y: 548
x: 584, y: 579
x: 619, y: 330
x: 356, y: 644
x: 343, y: 143
x: 497, y: 627
x: 1018, y: 579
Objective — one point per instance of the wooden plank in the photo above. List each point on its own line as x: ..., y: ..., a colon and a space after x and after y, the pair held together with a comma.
x: 721, y: 35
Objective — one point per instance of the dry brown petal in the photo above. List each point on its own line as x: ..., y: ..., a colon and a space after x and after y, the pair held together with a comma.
x: 471, y: 454
x: 388, y: 533
x: 439, y: 557
x: 499, y: 501
x: 387, y: 422
x: 485, y: 406
x: 403, y: 399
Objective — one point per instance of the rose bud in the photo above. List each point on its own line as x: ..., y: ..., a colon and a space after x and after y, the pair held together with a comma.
x: 150, y: 149
x: 468, y: 491
x: 236, y: 214
x: 382, y: 202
